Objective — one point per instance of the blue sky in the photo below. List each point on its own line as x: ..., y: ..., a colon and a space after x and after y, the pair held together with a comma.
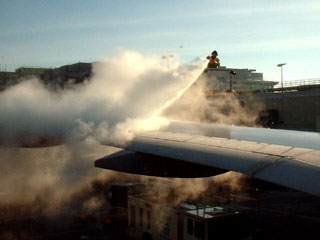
x: 246, y: 33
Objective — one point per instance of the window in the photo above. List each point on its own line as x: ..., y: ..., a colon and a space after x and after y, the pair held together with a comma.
x: 199, y: 230
x: 190, y: 226
x: 133, y: 216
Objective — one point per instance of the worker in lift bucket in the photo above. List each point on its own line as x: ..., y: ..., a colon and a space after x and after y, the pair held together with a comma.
x: 214, y: 62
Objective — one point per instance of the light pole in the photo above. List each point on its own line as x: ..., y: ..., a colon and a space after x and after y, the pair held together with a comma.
x: 167, y: 57
x: 231, y: 74
x: 281, y: 102
x: 280, y: 65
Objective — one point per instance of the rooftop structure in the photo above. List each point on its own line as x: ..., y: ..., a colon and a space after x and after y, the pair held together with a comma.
x: 151, y: 218
x: 221, y: 79
x: 30, y: 72
x: 300, y: 85
x: 75, y: 73
x: 8, y: 79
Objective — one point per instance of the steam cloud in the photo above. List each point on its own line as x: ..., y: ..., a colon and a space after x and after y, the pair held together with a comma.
x: 126, y: 94
x: 221, y: 108
x: 122, y: 97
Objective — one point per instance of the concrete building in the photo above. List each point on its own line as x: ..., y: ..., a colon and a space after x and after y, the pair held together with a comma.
x: 30, y: 72
x: 152, y: 217
x: 290, y: 109
x: 295, y: 107
x: 75, y: 73
x: 8, y: 79
x: 221, y: 79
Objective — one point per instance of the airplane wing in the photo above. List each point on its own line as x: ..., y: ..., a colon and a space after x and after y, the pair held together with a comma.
x: 171, y: 154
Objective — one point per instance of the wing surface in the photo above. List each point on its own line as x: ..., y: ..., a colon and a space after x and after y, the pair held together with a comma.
x: 293, y: 167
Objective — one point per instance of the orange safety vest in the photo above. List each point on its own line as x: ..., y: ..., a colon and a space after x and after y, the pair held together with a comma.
x: 213, y: 63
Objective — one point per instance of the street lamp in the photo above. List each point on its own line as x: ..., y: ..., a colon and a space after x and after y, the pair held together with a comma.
x: 231, y: 74
x: 281, y: 102
x: 167, y: 57
x: 280, y: 65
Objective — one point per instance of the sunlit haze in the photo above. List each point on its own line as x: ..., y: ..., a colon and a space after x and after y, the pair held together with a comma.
x: 246, y: 34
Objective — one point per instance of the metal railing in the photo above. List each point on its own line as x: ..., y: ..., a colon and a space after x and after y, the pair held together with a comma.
x: 298, y: 83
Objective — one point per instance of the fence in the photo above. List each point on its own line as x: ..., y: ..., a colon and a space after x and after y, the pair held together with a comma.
x: 297, y: 83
